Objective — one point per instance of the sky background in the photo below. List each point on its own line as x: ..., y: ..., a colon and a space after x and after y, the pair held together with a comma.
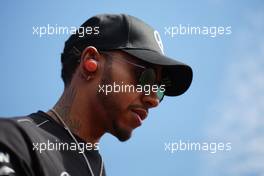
x: 225, y: 102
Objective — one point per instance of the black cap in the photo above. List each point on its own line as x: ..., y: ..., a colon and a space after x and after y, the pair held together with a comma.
x: 135, y: 37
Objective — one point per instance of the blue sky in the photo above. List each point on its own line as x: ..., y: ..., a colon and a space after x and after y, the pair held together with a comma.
x: 223, y: 104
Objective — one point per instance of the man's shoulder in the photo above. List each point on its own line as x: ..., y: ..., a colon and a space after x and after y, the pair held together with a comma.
x: 25, y: 127
x: 14, y: 138
x: 10, y: 126
x: 14, y: 126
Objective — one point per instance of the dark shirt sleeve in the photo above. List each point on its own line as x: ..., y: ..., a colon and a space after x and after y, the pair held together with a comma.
x: 15, y: 159
x: 10, y: 164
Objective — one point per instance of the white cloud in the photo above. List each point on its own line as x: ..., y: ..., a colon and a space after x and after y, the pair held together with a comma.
x: 240, y: 112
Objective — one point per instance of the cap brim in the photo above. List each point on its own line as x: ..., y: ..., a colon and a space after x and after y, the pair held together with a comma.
x: 180, y: 74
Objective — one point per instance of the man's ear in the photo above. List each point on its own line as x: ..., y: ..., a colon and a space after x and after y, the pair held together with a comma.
x: 89, y: 59
x: 90, y: 52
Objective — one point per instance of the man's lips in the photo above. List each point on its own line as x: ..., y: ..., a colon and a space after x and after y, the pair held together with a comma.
x: 142, y: 113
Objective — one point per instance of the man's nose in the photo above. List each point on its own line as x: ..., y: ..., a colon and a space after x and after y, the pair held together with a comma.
x: 151, y: 101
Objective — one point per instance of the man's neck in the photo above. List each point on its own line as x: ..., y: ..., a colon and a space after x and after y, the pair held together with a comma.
x: 78, y: 119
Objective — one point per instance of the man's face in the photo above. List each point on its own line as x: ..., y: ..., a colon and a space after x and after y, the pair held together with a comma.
x: 125, y: 110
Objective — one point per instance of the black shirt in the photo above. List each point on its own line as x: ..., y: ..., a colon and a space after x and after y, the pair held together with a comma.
x: 36, y: 145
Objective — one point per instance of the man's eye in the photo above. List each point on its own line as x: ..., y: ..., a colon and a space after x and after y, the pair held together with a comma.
x: 166, y: 81
x: 137, y: 72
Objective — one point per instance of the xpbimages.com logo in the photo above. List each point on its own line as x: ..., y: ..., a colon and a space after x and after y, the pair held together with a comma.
x: 63, y: 146
x: 48, y: 30
x: 211, y: 147
x: 210, y: 31
x: 128, y: 88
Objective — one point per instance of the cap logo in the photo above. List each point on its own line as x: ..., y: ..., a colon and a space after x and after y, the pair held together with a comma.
x: 158, y: 40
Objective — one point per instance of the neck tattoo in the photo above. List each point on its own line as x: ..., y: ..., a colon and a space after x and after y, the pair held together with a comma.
x: 76, y: 142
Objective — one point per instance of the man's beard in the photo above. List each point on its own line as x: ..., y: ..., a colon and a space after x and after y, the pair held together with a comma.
x: 112, y: 107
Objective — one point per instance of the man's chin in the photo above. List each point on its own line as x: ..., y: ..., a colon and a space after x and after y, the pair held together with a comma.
x: 123, y: 137
x: 122, y: 134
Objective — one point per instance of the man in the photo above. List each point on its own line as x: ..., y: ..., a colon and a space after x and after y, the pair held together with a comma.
x: 113, y: 75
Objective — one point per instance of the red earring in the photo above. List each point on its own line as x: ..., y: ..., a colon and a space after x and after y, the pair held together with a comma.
x: 90, y: 65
